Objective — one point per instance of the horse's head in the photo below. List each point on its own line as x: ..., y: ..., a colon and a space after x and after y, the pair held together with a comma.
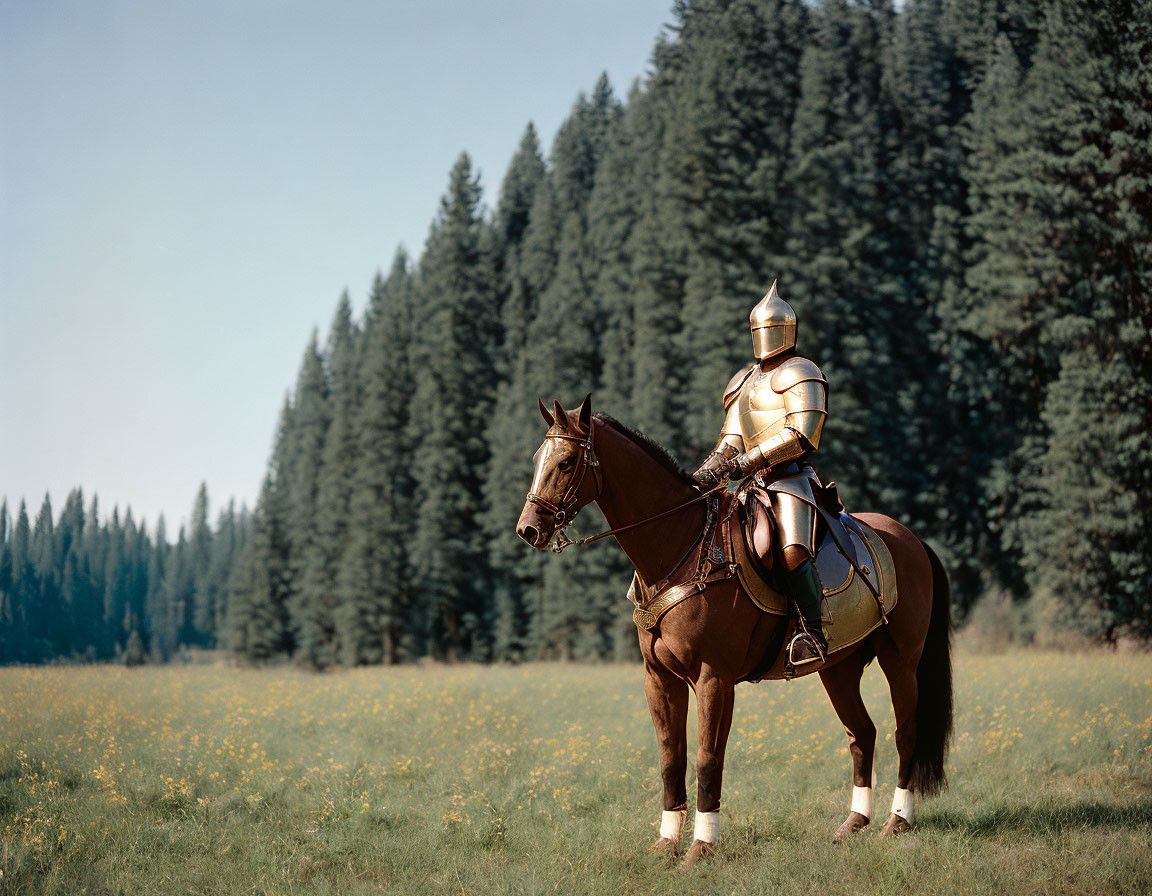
x: 566, y: 476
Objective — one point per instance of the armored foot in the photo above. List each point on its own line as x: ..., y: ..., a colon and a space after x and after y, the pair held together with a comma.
x: 853, y: 824
x: 894, y: 827
x: 666, y: 846
x: 699, y: 850
x: 808, y: 647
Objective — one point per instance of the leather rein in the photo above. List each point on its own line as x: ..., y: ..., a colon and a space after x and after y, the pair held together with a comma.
x: 563, y: 512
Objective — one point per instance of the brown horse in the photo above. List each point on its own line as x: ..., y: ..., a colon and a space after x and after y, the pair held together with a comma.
x: 718, y: 638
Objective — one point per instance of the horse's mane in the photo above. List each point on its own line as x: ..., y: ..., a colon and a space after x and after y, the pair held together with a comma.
x: 655, y: 451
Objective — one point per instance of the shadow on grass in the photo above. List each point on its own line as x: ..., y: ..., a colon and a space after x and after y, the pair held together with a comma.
x: 1002, y: 819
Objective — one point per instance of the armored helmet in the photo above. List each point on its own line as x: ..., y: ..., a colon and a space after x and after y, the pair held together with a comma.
x: 773, y: 326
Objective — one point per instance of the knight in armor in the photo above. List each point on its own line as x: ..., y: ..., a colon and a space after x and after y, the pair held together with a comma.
x: 775, y: 410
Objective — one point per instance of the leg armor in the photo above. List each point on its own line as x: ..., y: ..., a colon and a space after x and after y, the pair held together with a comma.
x: 795, y: 520
x: 796, y: 525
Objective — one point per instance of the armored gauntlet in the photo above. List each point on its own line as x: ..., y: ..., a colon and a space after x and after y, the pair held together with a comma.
x: 715, y: 466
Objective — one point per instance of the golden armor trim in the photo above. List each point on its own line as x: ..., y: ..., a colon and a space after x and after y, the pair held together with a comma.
x: 782, y: 447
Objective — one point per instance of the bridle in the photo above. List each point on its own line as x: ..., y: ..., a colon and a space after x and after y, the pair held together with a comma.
x: 562, y: 510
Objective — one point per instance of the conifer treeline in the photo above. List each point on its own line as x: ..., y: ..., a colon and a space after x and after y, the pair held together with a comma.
x: 955, y: 196
x: 83, y: 587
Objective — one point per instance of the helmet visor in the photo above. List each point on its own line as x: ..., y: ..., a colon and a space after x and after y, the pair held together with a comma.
x: 770, y: 341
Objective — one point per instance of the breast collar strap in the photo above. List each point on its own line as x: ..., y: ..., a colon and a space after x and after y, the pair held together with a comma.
x: 562, y: 511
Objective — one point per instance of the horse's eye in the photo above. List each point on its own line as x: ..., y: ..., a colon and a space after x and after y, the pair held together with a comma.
x: 565, y: 464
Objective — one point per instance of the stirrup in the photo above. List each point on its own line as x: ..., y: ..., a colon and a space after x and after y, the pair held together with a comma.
x: 817, y: 648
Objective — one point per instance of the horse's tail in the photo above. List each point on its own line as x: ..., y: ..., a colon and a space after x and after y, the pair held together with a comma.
x: 934, y: 686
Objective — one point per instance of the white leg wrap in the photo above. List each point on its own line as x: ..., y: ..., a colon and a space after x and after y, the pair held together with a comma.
x: 862, y: 801
x: 902, y: 804
x: 707, y: 826
x: 671, y: 823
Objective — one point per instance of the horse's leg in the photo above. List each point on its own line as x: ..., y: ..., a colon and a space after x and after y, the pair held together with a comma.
x: 715, y: 694
x: 902, y: 683
x: 668, y: 702
x: 842, y: 682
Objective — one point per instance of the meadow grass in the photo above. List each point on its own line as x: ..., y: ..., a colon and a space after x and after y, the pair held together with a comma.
x: 543, y: 779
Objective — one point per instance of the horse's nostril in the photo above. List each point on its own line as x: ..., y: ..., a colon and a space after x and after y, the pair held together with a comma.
x: 529, y: 534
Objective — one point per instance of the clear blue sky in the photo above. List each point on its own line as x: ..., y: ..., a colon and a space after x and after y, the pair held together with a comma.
x: 187, y: 187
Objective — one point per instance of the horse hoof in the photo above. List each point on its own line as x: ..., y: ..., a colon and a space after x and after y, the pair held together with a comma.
x: 667, y: 846
x: 698, y: 851
x: 853, y: 824
x: 895, y: 826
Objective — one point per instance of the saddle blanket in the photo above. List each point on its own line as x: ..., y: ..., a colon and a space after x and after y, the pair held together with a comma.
x: 850, y: 610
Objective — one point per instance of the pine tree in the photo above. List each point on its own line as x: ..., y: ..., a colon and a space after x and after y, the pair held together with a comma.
x: 75, y: 619
x: 7, y: 609
x: 45, y: 607
x: 518, y: 192
x: 318, y: 606
x: 563, y: 342
x: 200, y: 550
x: 179, y: 590
x: 258, y: 622
x: 304, y: 433
x: 509, y: 427
x: 22, y: 594
x: 137, y: 547
x: 453, y: 362
x: 156, y: 610
x: 261, y: 591
x: 228, y: 542
x: 374, y: 578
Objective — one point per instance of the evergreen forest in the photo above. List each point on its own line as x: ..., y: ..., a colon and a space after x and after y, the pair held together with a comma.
x: 956, y: 197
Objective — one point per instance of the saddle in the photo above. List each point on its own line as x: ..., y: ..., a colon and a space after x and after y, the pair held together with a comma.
x: 856, y: 573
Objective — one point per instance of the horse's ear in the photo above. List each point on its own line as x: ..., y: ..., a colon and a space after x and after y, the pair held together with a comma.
x: 548, y: 418
x: 585, y: 414
x: 561, y: 416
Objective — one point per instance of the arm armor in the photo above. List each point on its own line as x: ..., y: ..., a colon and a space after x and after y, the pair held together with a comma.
x: 804, y: 410
x: 805, y: 394
x: 786, y: 445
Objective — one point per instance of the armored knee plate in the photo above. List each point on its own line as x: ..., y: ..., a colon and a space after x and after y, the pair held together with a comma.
x: 795, y: 515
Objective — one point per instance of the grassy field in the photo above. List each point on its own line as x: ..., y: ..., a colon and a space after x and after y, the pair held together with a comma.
x: 542, y: 779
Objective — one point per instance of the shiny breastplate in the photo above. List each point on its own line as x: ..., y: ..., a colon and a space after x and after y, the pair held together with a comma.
x: 761, y: 409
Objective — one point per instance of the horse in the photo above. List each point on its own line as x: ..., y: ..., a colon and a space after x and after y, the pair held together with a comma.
x: 712, y: 641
